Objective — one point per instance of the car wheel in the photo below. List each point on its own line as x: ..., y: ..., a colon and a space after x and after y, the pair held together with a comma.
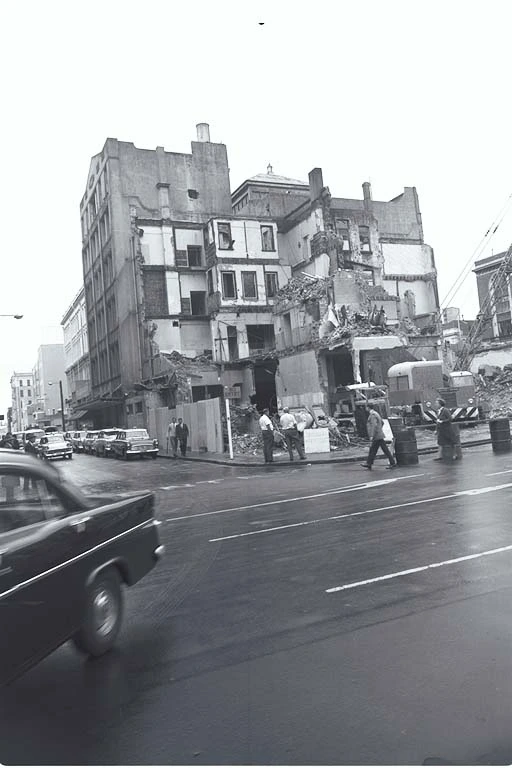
x: 154, y: 455
x: 103, y: 615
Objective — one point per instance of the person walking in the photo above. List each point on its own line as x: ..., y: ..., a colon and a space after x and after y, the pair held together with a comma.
x: 172, y: 441
x: 288, y: 424
x: 445, y: 434
x: 182, y: 436
x: 374, y: 426
x: 267, y: 431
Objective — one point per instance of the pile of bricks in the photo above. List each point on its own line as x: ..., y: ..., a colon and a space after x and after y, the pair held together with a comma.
x: 495, y: 392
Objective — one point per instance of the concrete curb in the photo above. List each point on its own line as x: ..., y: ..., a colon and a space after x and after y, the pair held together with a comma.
x: 348, y: 460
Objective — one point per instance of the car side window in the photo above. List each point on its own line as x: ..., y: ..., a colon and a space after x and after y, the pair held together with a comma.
x: 25, y: 500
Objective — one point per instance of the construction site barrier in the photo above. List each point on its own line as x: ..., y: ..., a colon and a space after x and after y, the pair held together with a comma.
x: 500, y: 435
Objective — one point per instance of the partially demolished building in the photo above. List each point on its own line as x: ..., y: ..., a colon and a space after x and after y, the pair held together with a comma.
x: 363, y: 294
x: 279, y: 292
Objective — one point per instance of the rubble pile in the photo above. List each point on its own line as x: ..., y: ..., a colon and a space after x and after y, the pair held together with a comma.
x: 183, y: 371
x: 346, y: 322
x: 494, y: 392
x: 247, y: 443
x: 302, y: 288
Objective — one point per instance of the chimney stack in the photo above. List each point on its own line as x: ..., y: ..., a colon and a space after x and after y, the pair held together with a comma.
x: 316, y: 183
x: 367, y: 192
x: 203, y: 132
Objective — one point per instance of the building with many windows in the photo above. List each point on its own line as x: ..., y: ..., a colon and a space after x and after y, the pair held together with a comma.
x: 23, y: 397
x: 47, y: 375
x: 76, y: 357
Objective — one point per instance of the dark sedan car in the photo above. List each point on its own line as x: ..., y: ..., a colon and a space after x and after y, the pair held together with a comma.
x: 63, y: 560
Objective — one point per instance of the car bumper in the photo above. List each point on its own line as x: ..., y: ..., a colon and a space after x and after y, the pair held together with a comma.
x: 57, y: 455
x: 141, y: 451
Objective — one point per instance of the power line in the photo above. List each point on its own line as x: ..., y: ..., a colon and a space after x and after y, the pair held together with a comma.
x: 484, y: 242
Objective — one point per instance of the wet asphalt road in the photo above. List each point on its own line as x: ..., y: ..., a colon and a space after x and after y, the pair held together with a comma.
x: 234, y: 651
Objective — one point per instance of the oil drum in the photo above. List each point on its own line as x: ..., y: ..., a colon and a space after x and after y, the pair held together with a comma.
x: 406, y: 448
x: 500, y: 435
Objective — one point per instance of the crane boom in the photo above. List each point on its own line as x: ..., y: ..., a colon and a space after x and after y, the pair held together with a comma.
x: 487, y: 312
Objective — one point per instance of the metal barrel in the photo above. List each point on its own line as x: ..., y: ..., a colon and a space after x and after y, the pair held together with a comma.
x: 500, y: 435
x: 406, y: 448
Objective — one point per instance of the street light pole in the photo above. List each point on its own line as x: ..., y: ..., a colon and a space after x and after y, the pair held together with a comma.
x: 50, y: 383
x: 62, y: 406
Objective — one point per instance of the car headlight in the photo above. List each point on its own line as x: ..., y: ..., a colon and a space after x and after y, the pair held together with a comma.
x: 470, y: 401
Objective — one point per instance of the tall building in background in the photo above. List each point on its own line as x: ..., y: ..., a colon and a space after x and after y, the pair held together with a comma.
x: 76, y: 358
x: 48, y: 373
x: 23, y: 396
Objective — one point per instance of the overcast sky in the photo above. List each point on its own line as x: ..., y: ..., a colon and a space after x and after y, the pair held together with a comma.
x: 398, y: 93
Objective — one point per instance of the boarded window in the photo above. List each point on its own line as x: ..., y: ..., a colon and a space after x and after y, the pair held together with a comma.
x: 228, y: 285
x: 249, y: 288
x: 186, y: 307
x: 267, y: 238
x: 225, y: 241
x: 194, y: 255
x: 210, y: 282
x: 155, y: 292
x: 271, y: 284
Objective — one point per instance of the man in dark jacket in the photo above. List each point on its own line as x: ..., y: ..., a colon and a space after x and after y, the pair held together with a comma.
x: 182, y: 436
x: 374, y: 425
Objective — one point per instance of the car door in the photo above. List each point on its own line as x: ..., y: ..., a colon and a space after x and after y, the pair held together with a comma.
x: 37, y: 541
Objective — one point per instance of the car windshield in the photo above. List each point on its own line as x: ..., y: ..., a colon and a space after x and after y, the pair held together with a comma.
x: 54, y: 438
x: 110, y: 432
x: 136, y: 433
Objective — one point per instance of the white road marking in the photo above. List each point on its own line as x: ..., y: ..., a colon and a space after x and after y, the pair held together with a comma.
x: 505, y: 472
x: 421, y: 568
x: 172, y: 487
x: 332, y: 492
x: 469, y: 492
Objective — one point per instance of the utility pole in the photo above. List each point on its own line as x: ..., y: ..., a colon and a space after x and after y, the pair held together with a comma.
x: 62, y: 406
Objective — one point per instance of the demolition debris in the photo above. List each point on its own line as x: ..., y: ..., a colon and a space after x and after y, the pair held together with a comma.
x: 494, y: 390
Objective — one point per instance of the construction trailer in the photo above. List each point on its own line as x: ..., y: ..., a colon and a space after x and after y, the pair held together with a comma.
x: 415, y: 386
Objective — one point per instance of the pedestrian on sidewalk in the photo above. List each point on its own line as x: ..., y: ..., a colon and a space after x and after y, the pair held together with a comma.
x: 182, y: 436
x: 446, y: 438
x: 288, y: 424
x: 172, y: 441
x: 374, y: 426
x: 267, y: 431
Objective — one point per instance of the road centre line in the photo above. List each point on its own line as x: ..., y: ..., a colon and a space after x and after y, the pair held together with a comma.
x: 421, y: 568
x: 504, y: 472
x: 332, y: 492
x: 469, y: 492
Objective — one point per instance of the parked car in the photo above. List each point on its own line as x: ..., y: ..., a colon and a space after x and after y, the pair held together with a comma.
x: 77, y: 440
x: 53, y: 446
x: 102, y: 444
x: 134, y: 442
x: 89, y: 439
x: 64, y: 560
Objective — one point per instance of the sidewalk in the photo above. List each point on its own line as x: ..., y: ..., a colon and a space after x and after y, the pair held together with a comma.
x: 426, y: 440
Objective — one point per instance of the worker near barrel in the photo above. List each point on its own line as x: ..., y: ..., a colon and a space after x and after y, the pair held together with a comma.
x: 375, y: 429
x: 288, y: 424
x: 267, y: 432
x: 446, y: 439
